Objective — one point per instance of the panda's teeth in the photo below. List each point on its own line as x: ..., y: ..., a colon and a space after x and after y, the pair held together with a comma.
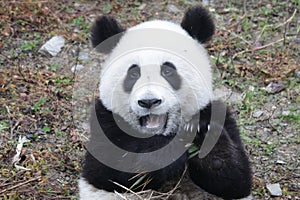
x: 154, y: 121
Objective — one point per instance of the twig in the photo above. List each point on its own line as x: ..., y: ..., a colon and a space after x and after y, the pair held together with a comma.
x: 288, y: 20
x: 20, y: 184
x: 14, y: 127
x: 257, y: 48
x: 129, y: 190
x: 269, y: 122
x: 235, y: 35
x: 238, y: 22
x: 282, y: 24
x: 7, y: 110
x: 261, y: 33
x: 4, y: 183
x: 159, y: 194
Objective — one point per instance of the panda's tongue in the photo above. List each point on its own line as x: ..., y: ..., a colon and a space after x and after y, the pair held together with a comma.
x: 154, y: 121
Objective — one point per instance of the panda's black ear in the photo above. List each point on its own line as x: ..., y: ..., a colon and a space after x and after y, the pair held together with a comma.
x: 198, y: 22
x: 103, y: 28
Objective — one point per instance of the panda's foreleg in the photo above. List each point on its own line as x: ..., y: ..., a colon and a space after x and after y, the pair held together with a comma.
x: 89, y: 192
x: 225, y: 171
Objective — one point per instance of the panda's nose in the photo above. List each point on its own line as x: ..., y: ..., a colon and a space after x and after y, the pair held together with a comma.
x: 149, y: 103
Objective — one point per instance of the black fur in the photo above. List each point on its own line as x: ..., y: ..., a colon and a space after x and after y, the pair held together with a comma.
x: 225, y: 172
x: 198, y: 23
x: 171, y: 76
x: 104, y: 28
x: 101, y: 176
x: 133, y: 74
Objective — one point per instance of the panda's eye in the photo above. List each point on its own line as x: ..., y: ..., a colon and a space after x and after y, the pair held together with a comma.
x: 134, y: 75
x: 167, y: 69
x: 134, y: 72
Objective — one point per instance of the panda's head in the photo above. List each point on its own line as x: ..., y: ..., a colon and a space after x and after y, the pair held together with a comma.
x: 157, y: 74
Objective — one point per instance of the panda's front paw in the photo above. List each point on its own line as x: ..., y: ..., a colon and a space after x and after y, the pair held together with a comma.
x: 192, y: 125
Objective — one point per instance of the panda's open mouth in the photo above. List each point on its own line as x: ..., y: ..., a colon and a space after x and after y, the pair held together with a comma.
x: 154, y: 122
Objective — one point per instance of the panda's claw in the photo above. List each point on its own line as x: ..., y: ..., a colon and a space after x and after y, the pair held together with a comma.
x: 192, y: 127
x: 198, y: 128
x: 185, y: 127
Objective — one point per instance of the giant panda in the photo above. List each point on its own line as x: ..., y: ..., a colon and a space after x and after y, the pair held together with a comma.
x: 157, y: 92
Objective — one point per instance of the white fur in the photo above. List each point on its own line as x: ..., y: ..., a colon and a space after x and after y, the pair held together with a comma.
x: 149, y: 45
x: 89, y: 192
x: 160, y: 24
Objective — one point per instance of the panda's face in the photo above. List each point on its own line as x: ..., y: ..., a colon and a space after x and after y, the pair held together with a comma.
x: 154, y: 91
x: 157, y: 75
x: 153, y: 101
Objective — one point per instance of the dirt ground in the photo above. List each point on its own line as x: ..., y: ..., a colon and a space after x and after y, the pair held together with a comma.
x: 255, y: 53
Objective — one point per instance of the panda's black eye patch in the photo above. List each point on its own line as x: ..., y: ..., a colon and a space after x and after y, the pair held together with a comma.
x: 133, y: 74
x: 169, y: 72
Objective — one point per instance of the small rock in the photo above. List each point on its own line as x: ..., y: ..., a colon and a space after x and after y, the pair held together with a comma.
x: 257, y: 113
x: 53, y: 46
x: 76, y: 68
x: 83, y: 56
x: 76, y: 30
x: 251, y: 88
x: 142, y: 6
x: 173, y: 8
x: 269, y: 142
x: 275, y: 87
x: 274, y: 189
x: 206, y: 2
x: 286, y: 112
x: 280, y: 162
x: 290, y: 135
x: 283, y: 125
x: 225, y: 10
x: 212, y: 9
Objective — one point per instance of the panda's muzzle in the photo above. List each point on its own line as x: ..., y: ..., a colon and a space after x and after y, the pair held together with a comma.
x: 153, y: 121
x: 149, y: 103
